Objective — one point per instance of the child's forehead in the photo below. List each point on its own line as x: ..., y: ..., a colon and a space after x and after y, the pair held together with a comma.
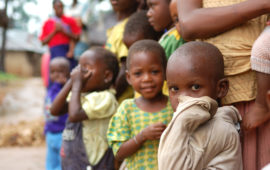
x: 146, y: 57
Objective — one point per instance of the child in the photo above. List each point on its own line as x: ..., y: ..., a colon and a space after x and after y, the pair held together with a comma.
x: 139, y: 28
x: 200, y: 135
x: 160, y: 18
x: 135, y: 129
x: 91, y: 102
x: 124, y: 9
x: 59, y: 73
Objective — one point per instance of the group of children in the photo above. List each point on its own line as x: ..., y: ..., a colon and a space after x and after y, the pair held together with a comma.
x: 190, y: 129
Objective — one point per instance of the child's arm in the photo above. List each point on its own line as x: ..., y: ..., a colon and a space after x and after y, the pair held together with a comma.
x: 75, y: 111
x: 121, y: 82
x: 60, y: 105
x: 72, y: 44
x: 206, y: 26
x: 258, y: 113
x: 152, y: 132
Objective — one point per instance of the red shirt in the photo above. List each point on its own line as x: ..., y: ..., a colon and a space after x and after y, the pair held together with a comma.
x: 59, y: 38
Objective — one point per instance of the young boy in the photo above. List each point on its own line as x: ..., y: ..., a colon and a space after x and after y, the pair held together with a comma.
x: 139, y: 28
x: 201, y: 135
x: 159, y: 15
x: 54, y: 126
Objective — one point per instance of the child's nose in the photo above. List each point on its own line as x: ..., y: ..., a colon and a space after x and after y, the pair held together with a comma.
x: 184, y: 93
x: 146, y: 77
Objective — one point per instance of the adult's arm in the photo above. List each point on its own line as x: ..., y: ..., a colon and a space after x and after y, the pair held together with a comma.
x: 60, y: 105
x: 198, y: 22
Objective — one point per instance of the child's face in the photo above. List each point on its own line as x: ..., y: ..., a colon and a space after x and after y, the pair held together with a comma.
x: 146, y: 74
x: 184, y: 78
x: 59, y: 73
x: 159, y: 14
x: 174, y: 14
x: 123, y: 5
x: 97, y: 68
x: 129, y: 40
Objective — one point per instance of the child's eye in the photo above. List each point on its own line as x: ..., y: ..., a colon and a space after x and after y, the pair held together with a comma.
x: 174, y: 89
x: 137, y: 73
x: 195, y: 87
x: 175, y: 20
x: 155, y: 71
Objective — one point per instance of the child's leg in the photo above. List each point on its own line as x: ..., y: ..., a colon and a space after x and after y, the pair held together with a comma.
x: 53, y: 159
x: 70, y: 52
x: 258, y: 114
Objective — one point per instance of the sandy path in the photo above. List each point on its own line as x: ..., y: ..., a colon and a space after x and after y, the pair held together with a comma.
x: 21, y: 100
x: 26, y: 158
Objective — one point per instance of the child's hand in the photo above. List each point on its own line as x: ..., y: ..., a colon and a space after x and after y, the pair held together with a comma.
x: 80, y: 74
x: 153, y: 131
x: 255, y: 117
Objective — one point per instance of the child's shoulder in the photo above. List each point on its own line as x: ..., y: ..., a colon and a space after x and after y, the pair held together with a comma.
x: 226, y: 120
x: 128, y: 104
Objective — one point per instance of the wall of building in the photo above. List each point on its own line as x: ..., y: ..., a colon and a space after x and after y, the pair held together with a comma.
x: 23, y: 64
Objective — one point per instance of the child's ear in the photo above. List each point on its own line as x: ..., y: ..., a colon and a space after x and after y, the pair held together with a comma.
x: 128, y: 77
x: 222, y: 88
x: 108, y: 76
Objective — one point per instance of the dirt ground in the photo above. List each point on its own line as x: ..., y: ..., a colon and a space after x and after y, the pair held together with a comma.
x: 22, y: 158
x: 22, y: 144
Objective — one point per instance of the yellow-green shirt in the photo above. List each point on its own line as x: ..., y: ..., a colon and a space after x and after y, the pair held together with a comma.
x: 115, y: 40
x: 99, y: 108
x: 128, y: 121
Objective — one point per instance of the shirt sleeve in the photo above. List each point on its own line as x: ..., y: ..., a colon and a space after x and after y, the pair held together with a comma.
x: 98, y: 105
x: 75, y: 28
x: 119, y: 130
x: 45, y: 30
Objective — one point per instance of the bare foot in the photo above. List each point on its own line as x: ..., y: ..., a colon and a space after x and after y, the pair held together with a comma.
x: 255, y: 117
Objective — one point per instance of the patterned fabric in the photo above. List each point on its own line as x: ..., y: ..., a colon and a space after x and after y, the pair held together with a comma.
x: 170, y: 41
x: 128, y: 121
x: 235, y: 45
x: 260, y: 54
x: 115, y: 40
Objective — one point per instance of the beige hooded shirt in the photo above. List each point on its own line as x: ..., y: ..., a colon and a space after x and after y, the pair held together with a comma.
x: 201, y: 136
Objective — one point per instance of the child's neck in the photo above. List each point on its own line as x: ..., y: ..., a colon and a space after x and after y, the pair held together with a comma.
x: 121, y: 15
x: 152, y: 105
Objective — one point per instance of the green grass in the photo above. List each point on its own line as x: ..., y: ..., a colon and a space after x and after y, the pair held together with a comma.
x: 6, y: 76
